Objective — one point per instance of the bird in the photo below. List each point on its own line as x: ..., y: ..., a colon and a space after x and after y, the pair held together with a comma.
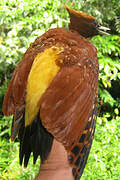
x: 53, y: 93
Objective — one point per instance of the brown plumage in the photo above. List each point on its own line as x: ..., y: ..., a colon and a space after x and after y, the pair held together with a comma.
x: 67, y: 107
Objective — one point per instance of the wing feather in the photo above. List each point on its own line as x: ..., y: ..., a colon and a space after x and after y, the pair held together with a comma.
x: 66, y: 105
x: 16, y: 90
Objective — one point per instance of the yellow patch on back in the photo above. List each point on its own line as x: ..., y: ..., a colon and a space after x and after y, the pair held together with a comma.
x: 43, y: 70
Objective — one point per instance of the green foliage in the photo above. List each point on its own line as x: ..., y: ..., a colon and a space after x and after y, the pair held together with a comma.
x: 109, y: 76
x: 21, y: 21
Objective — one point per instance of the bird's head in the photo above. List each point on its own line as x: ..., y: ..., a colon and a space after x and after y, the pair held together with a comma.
x: 86, y: 25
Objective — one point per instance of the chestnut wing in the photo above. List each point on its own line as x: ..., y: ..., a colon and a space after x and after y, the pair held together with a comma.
x: 67, y: 104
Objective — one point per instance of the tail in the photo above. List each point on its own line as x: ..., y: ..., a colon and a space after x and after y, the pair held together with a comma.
x: 34, y: 138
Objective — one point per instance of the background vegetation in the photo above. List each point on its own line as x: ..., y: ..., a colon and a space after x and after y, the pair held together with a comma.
x: 21, y: 21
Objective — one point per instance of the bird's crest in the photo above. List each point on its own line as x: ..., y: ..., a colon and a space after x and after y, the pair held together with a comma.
x: 85, y: 24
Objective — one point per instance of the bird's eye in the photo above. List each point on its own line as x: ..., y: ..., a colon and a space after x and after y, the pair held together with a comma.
x: 95, y: 23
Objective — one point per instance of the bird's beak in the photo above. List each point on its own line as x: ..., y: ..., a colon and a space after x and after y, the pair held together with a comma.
x: 102, y: 30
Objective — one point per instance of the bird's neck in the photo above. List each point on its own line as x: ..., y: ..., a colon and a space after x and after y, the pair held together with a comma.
x: 56, y: 166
